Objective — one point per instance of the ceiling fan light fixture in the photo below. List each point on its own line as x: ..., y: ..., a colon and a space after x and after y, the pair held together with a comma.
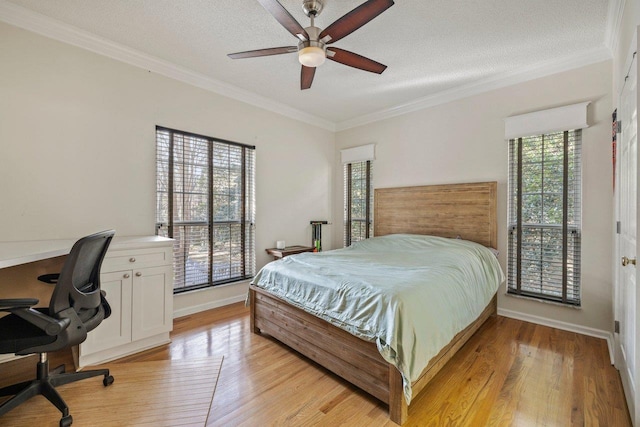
x: 312, y: 56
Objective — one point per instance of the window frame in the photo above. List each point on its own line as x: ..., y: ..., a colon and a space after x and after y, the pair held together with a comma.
x: 570, y: 227
x: 246, y: 219
x: 348, y: 201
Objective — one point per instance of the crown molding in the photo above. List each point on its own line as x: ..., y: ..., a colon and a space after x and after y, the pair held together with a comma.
x: 615, y: 11
x: 48, y: 27
x: 481, y: 86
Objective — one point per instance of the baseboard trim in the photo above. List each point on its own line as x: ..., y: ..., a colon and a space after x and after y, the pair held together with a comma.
x: 9, y: 357
x: 208, y: 306
x: 565, y: 326
x: 118, y: 352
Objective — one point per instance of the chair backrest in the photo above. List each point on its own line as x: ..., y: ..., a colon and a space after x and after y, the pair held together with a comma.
x: 77, y: 293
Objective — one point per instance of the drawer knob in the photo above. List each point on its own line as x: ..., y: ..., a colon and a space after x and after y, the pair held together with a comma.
x: 126, y: 275
x: 132, y: 260
x: 138, y: 274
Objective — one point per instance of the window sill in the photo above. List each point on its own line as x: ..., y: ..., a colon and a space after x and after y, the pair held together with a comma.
x: 558, y: 304
x: 220, y: 286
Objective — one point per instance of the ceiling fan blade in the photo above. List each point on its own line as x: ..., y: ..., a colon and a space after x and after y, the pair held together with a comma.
x: 354, y: 60
x: 285, y: 19
x: 263, y: 52
x: 306, y: 77
x: 355, y: 19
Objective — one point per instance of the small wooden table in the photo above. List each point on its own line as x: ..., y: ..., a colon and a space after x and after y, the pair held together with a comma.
x: 289, y: 250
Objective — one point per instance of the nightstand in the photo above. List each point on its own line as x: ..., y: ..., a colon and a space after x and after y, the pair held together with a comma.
x: 289, y: 250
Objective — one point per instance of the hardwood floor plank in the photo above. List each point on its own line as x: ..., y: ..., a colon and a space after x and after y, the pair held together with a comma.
x: 156, y: 393
x: 493, y: 353
x: 511, y: 373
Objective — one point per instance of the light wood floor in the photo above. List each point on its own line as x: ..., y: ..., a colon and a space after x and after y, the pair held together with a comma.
x: 511, y: 373
x: 150, y: 393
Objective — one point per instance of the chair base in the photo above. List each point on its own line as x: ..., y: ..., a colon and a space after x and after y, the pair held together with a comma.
x: 45, y: 383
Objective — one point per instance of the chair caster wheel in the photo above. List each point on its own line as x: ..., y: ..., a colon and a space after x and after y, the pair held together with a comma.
x: 66, y: 421
x: 107, y: 381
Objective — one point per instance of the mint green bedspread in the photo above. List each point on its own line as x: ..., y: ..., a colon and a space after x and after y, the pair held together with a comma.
x: 410, y: 294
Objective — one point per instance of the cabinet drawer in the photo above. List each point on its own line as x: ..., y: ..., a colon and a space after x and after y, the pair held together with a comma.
x: 137, y: 258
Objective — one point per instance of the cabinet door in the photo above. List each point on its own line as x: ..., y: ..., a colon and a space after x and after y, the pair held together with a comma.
x: 152, y: 301
x: 116, y: 330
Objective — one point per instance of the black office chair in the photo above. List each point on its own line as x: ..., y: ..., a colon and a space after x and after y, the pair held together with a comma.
x: 77, y: 306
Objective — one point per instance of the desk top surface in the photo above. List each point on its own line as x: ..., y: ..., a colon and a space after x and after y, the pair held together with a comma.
x: 16, y: 253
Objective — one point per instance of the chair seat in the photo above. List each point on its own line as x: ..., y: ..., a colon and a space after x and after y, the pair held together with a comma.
x: 17, y: 334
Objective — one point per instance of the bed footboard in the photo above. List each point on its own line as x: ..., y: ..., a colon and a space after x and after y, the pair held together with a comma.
x: 356, y: 360
x: 353, y: 359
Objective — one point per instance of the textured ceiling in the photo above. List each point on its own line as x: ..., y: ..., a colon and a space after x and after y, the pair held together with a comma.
x: 429, y: 46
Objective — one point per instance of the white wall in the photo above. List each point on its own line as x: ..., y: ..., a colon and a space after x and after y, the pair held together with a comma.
x: 463, y: 141
x: 77, y: 150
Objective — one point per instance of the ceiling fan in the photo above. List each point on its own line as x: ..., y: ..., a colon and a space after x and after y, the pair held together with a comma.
x: 312, y: 48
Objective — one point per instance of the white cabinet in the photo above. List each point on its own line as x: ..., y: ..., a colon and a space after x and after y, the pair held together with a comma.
x: 137, y: 275
x: 152, y: 292
x: 116, y: 330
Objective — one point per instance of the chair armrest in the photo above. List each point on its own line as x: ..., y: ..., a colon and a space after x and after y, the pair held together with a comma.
x: 10, y: 303
x: 105, y: 304
x: 49, y: 325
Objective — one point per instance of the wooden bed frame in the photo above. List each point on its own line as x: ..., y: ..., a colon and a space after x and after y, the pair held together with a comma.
x: 465, y: 210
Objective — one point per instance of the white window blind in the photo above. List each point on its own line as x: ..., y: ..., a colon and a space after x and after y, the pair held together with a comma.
x: 545, y: 216
x: 206, y: 202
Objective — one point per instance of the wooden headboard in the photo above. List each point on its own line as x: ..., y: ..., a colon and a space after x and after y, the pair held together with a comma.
x: 465, y: 210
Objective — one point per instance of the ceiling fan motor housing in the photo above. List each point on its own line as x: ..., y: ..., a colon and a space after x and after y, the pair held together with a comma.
x: 312, y: 7
x: 314, y: 33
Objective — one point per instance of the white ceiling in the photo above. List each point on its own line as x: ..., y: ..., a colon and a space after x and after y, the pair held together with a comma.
x: 430, y: 47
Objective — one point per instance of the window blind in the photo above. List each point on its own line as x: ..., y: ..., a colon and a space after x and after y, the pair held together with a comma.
x: 358, y: 201
x: 206, y: 202
x: 545, y: 216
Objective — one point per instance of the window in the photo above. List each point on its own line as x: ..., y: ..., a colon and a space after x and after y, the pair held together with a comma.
x: 358, y: 201
x: 544, y: 216
x: 206, y: 202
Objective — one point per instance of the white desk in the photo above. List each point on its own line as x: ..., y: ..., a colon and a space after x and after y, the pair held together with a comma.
x: 136, y: 269
x: 16, y: 253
